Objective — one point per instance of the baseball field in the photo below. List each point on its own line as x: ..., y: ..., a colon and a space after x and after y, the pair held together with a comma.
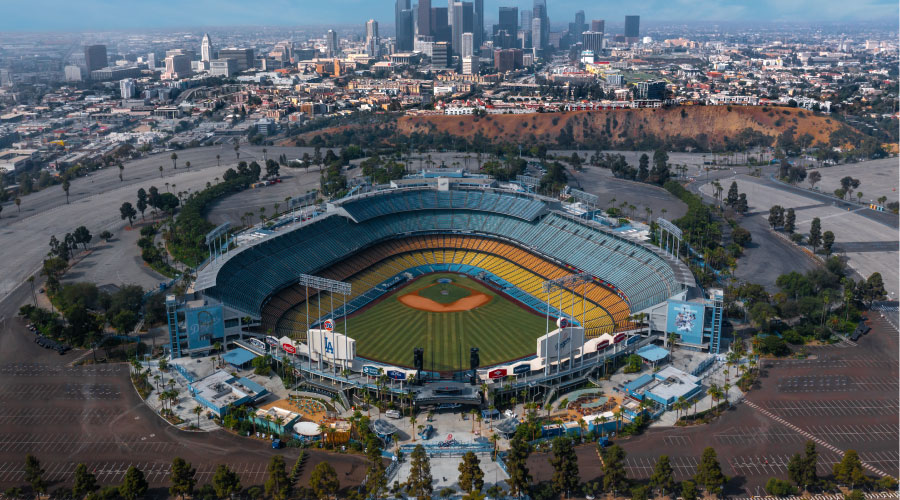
x: 445, y: 314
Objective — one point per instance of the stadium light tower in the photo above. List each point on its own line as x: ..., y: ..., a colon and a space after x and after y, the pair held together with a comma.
x: 566, y: 283
x: 332, y: 287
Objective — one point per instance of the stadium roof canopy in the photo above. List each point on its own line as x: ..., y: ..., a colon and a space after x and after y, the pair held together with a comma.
x: 239, y: 357
x: 652, y: 353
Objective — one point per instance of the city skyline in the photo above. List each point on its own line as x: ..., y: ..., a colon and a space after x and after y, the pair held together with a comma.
x: 54, y: 15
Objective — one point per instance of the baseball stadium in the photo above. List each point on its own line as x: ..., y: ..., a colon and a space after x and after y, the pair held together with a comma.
x: 444, y: 267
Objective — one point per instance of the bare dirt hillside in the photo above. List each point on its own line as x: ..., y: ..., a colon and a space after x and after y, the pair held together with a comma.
x: 707, y: 125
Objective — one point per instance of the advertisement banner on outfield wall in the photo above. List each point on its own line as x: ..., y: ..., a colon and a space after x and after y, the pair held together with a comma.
x: 204, y: 325
x: 685, y: 319
x: 371, y: 371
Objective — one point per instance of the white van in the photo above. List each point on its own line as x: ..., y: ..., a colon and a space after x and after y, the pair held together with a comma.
x: 392, y: 414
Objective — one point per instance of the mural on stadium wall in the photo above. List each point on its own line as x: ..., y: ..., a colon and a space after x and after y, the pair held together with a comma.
x: 685, y: 319
x: 204, y: 326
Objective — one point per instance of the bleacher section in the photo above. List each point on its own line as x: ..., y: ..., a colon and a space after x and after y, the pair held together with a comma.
x: 247, y: 277
x: 373, y: 205
x: 517, y: 273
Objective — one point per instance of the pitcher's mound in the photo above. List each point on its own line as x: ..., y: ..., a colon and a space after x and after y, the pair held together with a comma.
x: 473, y: 300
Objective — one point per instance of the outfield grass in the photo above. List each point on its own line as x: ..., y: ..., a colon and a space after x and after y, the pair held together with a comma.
x: 501, y: 329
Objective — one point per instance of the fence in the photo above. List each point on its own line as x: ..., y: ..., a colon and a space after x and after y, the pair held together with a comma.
x: 184, y: 372
x: 703, y: 366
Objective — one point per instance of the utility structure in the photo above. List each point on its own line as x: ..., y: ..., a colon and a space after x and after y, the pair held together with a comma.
x: 332, y: 287
x: 556, y: 287
x: 217, y: 241
x: 670, y: 237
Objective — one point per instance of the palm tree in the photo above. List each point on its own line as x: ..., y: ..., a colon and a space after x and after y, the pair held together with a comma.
x: 160, y: 171
x: 265, y: 155
x: 713, y: 393
x: 18, y: 202
x: 65, y: 187
x: 174, y: 158
x: 725, y: 392
x: 187, y: 164
x: 412, y: 423
x: 121, y: 170
x: 218, y: 163
x: 197, y: 411
x: 279, y: 422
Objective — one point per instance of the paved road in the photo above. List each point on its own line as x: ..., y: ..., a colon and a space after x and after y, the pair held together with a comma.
x: 94, y: 202
x: 769, y: 256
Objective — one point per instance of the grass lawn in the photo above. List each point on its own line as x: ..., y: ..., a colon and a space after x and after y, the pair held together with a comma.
x: 501, y: 329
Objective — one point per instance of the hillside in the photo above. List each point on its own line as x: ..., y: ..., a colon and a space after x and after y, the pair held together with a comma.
x: 700, y: 126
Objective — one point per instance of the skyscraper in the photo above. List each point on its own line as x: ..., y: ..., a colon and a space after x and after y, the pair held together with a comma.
x: 632, y: 28
x: 331, y: 43
x: 505, y: 30
x: 440, y: 26
x: 127, y: 88
x: 95, y: 57
x: 424, y: 21
x: 467, y: 48
x: 536, y: 28
x: 525, y: 20
x: 404, y: 23
x: 372, y: 40
x: 206, y: 48
x: 462, y: 22
x: 593, y: 41
x: 440, y: 56
x: 541, y: 38
x: 578, y: 27
x: 478, y: 23
x: 598, y: 25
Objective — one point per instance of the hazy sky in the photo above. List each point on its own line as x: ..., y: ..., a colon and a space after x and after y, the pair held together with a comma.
x: 50, y: 15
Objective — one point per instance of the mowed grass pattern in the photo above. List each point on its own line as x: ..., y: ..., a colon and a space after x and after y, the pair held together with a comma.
x: 389, y: 330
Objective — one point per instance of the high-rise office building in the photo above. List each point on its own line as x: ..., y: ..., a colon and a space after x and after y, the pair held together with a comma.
x: 372, y: 40
x: 127, y: 88
x: 243, y: 58
x: 632, y: 28
x: 525, y: 20
x: 470, y: 65
x: 593, y: 41
x: 206, y: 49
x: 440, y: 56
x: 462, y: 22
x: 578, y: 27
x: 539, y: 11
x: 440, y: 25
x: 536, y: 39
x: 478, y: 23
x: 331, y: 44
x: 95, y: 57
x: 506, y: 29
x: 151, y: 61
x: 177, y: 66
x: 468, y: 45
x: 404, y: 23
x: 598, y: 25
x: 424, y: 18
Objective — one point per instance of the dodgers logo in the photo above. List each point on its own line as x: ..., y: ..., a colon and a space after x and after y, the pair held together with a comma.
x: 329, y: 347
x: 329, y: 325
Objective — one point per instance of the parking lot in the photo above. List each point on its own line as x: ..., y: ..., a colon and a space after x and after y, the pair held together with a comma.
x: 66, y: 415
